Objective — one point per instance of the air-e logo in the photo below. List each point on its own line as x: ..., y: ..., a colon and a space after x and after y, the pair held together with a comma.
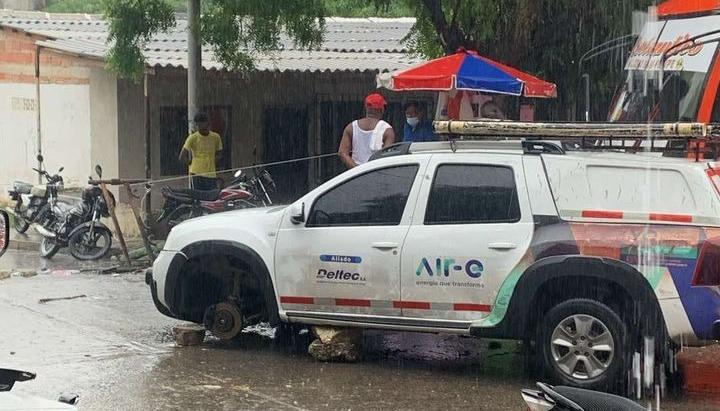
x: 443, y: 266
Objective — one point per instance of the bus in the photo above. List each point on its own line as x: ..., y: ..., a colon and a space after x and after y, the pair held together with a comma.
x: 673, y: 71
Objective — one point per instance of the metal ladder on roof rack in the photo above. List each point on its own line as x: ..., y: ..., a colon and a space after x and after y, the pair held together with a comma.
x: 697, y: 141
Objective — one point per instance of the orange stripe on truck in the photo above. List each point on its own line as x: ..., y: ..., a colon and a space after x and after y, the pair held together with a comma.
x: 601, y: 214
x: 676, y: 218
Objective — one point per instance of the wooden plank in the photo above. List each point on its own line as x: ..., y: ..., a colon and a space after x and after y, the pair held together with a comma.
x: 118, y: 231
x: 141, y: 226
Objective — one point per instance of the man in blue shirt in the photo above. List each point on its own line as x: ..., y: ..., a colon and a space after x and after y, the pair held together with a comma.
x: 417, y: 127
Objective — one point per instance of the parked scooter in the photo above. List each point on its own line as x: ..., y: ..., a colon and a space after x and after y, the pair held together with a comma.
x: 38, y: 197
x: 78, y: 227
x: 183, y: 204
x: 11, y: 401
x: 549, y: 398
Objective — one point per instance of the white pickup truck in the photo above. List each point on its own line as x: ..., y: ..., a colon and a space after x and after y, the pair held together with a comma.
x: 584, y: 254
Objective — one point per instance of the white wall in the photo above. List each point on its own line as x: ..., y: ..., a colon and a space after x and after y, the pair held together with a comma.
x: 65, y: 112
x: 104, y: 122
x: 18, y: 133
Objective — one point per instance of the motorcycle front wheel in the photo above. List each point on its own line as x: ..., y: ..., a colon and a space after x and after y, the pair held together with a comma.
x: 20, y: 223
x: 86, y: 246
x: 48, y: 247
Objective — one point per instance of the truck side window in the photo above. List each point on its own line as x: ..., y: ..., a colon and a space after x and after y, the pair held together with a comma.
x: 377, y: 197
x: 472, y: 194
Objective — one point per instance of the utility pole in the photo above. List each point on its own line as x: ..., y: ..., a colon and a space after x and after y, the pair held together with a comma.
x: 194, y: 69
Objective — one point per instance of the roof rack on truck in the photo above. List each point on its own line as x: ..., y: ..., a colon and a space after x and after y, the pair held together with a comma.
x: 697, y: 141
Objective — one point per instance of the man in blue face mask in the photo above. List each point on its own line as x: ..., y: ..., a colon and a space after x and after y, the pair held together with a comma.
x: 417, y: 127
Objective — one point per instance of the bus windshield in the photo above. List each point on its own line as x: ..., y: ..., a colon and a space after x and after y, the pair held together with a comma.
x: 683, y: 78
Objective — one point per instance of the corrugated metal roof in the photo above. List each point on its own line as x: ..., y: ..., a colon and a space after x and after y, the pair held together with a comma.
x: 350, y: 44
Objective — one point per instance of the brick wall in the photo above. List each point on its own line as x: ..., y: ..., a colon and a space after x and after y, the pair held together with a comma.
x: 17, y: 62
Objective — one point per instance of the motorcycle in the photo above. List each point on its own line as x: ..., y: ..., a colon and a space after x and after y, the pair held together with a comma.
x: 183, y: 204
x: 78, y: 227
x: 39, y: 196
x: 549, y: 398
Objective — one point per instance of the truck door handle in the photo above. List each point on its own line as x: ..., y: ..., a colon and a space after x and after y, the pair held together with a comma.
x: 502, y: 246
x: 384, y: 245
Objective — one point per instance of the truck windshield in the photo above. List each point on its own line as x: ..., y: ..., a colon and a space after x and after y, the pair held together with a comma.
x: 643, y: 101
x: 684, y: 75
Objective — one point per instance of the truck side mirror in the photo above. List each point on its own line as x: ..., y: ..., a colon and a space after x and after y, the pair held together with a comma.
x: 4, y: 231
x: 98, y: 170
x: 297, y: 213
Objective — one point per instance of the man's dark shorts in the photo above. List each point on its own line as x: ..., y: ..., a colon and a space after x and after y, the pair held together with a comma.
x: 204, y: 183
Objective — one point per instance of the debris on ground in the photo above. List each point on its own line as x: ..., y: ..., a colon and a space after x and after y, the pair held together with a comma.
x: 263, y: 329
x: 188, y: 334
x: 336, y: 344
x: 64, y: 273
x: 47, y: 300
x: 4, y: 274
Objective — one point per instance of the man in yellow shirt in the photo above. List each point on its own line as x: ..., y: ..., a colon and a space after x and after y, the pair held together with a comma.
x: 201, y: 151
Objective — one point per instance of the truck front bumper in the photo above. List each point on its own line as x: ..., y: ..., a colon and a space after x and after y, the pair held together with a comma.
x: 153, y: 292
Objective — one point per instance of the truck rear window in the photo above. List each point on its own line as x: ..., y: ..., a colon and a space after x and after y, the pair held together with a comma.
x: 632, y: 189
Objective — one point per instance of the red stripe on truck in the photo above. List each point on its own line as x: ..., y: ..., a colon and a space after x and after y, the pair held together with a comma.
x: 296, y: 300
x: 472, y: 307
x: 676, y: 218
x: 602, y: 214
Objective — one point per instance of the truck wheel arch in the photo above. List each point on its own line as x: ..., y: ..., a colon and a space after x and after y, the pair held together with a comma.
x: 606, y: 270
x: 223, y: 248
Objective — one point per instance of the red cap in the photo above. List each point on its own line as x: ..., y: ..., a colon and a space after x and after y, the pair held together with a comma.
x: 375, y: 101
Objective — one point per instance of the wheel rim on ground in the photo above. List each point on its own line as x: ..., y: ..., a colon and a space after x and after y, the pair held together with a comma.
x: 582, y: 347
x: 227, y: 321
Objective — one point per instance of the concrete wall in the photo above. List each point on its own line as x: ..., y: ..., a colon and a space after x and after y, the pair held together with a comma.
x: 18, y: 133
x: 104, y: 122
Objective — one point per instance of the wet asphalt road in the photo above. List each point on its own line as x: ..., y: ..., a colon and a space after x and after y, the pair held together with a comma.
x: 115, y: 350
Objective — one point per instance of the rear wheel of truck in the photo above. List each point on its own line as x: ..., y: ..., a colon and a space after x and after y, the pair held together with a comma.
x: 583, y: 343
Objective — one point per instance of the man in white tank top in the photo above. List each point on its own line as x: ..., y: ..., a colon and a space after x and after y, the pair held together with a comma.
x: 367, y: 135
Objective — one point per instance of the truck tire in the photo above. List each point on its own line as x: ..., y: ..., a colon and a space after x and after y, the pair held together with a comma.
x: 583, y: 343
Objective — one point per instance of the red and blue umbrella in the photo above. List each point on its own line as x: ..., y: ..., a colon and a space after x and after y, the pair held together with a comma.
x: 467, y: 70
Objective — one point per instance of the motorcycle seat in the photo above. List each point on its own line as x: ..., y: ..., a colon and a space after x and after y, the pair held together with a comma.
x: 596, y: 400
x: 21, y: 187
x: 201, y: 195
